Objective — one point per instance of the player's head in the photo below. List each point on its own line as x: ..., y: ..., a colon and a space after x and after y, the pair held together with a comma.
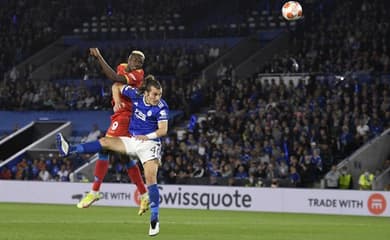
x: 136, y: 59
x: 152, y: 90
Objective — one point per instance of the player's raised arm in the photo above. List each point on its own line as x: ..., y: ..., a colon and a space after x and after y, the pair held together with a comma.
x: 108, y: 71
x: 116, y: 96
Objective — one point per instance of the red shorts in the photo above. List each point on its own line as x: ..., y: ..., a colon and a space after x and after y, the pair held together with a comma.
x: 119, y: 126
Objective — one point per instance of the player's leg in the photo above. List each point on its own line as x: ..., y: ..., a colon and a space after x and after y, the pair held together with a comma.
x: 100, y: 171
x: 118, y: 127
x: 149, y: 153
x: 111, y: 143
x: 134, y: 174
x: 150, y: 170
x: 114, y: 144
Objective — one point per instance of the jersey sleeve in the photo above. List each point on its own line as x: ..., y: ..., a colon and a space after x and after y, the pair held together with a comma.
x: 129, y: 91
x: 121, y: 70
x: 163, y: 114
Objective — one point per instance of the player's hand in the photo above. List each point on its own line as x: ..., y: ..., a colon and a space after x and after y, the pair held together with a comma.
x: 94, y: 52
x: 141, y: 137
x: 118, y: 106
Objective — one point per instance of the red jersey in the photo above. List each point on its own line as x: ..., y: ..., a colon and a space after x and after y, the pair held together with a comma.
x: 120, y: 120
x: 134, y: 79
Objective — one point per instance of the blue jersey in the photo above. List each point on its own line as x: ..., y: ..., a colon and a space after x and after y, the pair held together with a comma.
x: 145, y: 117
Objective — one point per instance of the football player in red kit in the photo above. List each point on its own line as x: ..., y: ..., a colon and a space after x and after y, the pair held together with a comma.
x: 130, y: 73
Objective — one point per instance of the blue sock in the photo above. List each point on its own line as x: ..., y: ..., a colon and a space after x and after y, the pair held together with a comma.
x: 154, y: 198
x: 89, y: 147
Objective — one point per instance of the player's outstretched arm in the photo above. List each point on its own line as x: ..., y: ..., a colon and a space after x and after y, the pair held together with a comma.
x: 108, y: 71
x: 162, y: 128
x: 116, y: 93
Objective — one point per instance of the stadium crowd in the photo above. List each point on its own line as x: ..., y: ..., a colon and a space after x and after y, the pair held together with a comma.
x: 257, y: 133
x: 354, y: 39
x: 67, y: 89
x: 26, y: 26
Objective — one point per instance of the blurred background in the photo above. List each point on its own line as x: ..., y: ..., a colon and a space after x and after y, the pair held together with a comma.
x: 255, y: 100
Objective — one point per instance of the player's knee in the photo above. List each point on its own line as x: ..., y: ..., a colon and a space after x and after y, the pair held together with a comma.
x: 150, y: 169
x: 150, y: 179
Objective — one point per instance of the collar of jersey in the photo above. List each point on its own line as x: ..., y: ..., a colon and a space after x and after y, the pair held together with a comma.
x: 144, y: 99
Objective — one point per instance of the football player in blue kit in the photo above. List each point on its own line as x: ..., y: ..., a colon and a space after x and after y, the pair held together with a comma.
x: 148, y: 124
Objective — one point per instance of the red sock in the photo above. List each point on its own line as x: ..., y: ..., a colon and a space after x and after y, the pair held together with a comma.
x: 100, y: 171
x: 136, y: 178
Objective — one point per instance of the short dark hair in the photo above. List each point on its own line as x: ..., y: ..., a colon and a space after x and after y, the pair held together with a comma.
x: 149, y: 81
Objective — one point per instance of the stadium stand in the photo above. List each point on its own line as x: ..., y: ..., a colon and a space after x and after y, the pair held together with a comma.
x: 273, y: 127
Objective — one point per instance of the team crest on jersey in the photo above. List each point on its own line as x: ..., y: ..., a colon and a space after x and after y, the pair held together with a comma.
x: 140, y: 115
x: 149, y: 113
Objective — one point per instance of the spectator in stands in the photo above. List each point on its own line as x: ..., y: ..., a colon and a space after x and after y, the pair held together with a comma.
x: 93, y: 135
x: 272, y: 173
x: 308, y: 171
x: 14, y: 75
x: 199, y: 170
x: 63, y: 174
x: 295, y: 178
x: 365, y: 180
x: 346, y: 140
x: 362, y: 130
x: 316, y: 159
x: 22, y: 170
x: 167, y: 170
x: 221, y: 71
x: 5, y: 173
x: 44, y: 175
x: 241, y: 173
x: 345, y: 179
x: 283, y: 170
x: 332, y: 178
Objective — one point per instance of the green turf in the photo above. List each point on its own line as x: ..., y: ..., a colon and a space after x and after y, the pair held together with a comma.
x: 41, y: 222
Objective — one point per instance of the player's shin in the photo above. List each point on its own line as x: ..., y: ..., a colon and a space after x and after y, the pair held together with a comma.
x: 154, y: 196
x: 135, y: 176
x: 101, y: 168
x: 88, y: 147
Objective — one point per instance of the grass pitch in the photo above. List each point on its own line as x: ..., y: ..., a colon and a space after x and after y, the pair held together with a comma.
x: 52, y: 222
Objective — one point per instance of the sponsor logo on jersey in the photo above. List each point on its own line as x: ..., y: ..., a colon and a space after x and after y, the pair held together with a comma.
x: 140, y: 115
